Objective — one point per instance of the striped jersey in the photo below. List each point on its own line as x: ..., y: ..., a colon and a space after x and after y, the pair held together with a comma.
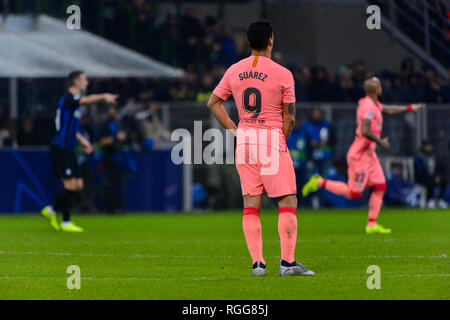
x: 67, y: 121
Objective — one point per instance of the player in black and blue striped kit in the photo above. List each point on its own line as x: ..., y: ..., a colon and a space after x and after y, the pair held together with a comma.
x: 62, y: 154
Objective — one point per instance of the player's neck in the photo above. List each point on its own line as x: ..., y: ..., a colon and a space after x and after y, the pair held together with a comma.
x: 263, y: 53
x: 374, y: 97
x: 75, y: 91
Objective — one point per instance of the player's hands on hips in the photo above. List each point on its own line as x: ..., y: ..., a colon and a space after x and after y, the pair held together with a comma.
x: 110, y: 98
x: 385, y: 143
x: 417, y: 106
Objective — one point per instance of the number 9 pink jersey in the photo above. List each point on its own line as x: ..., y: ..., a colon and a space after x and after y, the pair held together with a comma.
x: 260, y: 87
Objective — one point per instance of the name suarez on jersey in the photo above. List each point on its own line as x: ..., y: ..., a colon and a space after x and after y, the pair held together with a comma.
x: 252, y: 74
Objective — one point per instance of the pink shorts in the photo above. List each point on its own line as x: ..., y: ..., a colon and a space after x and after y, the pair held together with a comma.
x: 273, y: 174
x: 365, y: 172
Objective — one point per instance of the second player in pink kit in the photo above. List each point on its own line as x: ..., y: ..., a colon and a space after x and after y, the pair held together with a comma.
x: 264, y: 95
x: 364, y: 169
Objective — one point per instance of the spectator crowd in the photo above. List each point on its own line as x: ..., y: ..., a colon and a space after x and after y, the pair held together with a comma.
x: 205, y: 48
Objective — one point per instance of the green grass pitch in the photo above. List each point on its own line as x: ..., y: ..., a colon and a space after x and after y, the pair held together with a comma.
x: 203, y: 256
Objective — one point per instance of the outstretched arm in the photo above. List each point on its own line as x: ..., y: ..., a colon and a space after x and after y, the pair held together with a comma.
x: 215, y: 104
x: 288, y: 119
x: 94, y: 98
x: 397, y: 109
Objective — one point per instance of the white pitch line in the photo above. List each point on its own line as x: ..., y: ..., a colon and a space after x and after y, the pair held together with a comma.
x: 439, y: 256
x: 112, y: 279
x: 148, y: 256
x: 227, y: 241
x: 277, y: 241
x: 418, y: 275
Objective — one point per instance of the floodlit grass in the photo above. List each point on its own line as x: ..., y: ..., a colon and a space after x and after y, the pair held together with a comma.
x: 203, y: 256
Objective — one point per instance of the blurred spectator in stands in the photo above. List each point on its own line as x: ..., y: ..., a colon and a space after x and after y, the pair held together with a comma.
x: 190, y: 25
x: 182, y: 91
x: 446, y: 89
x: 145, y: 27
x: 397, y: 91
x: 211, y: 30
x: 129, y: 87
x: 434, y: 91
x: 432, y: 88
x: 192, y: 33
x: 27, y: 135
x: 447, y: 27
x: 317, y: 133
x: 438, y: 18
x: 321, y: 87
x: 345, y: 87
x: 407, y: 68
x: 205, y: 89
x: 5, y: 133
x: 297, y: 149
x: 161, y: 87
x: 150, y: 126
x: 169, y: 39
x: 108, y: 16
x: 228, y: 52
x: 111, y: 140
x: 131, y: 107
x: 430, y: 174
x: 414, y: 89
x: 359, y: 72
x: 439, y: 26
x: 302, y: 79
x: 147, y: 92
x: 218, y: 72
x: 117, y: 13
x: 209, y: 46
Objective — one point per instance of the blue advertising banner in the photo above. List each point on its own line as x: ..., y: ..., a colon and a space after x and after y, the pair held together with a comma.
x: 152, y: 183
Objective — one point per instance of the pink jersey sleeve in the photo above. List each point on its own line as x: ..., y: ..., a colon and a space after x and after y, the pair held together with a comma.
x: 365, y: 112
x: 223, y: 89
x: 288, y: 85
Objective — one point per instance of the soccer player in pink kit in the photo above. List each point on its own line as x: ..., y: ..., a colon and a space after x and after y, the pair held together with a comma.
x: 264, y: 95
x: 364, y: 169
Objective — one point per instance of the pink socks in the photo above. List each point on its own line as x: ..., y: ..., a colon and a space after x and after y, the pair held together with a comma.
x: 251, y: 224
x: 375, y: 203
x: 287, y: 229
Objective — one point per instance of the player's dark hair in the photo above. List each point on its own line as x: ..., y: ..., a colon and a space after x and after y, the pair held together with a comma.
x: 258, y: 34
x: 73, y: 76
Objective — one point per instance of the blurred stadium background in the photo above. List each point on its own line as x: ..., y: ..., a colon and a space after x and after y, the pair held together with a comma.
x: 165, y: 57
